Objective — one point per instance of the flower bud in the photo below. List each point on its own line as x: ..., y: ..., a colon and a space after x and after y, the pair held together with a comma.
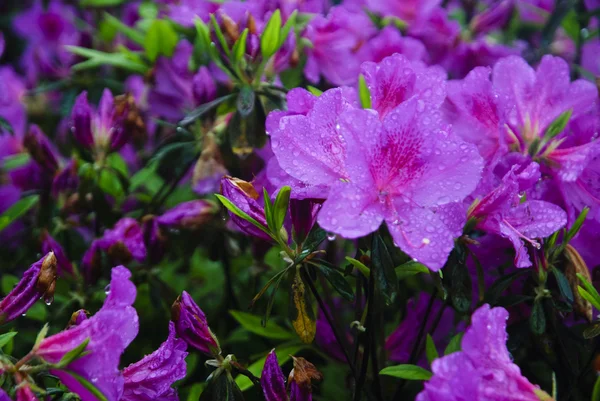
x: 125, y: 241
x: 37, y: 281
x: 49, y: 244
x: 81, y: 116
x: 77, y: 318
x: 575, y: 264
x: 67, y: 179
x: 494, y: 17
x: 191, y: 325
x: 41, y: 151
x: 272, y: 380
x: 245, y: 197
x: 189, y: 215
x: 24, y: 392
x: 204, y: 87
x: 154, y: 239
x: 209, y: 169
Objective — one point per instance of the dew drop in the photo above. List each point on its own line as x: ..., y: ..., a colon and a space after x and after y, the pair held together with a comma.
x: 107, y: 289
x: 331, y: 236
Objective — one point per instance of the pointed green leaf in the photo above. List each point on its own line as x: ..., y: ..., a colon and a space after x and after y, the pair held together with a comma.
x: 289, y: 24
x: 558, y: 125
x: 87, y: 385
x: 240, y: 213
x: 270, y: 37
x: 407, y: 372
x: 17, y: 210
x: 161, y: 40
x: 220, y: 35
x: 363, y: 92
x: 576, y: 225
x: 430, y: 350
x: 75, y: 353
x: 239, y: 48
x: 454, y: 344
x: 280, y: 207
x: 6, y: 337
x: 254, y: 325
x: 563, y: 285
x: 337, y: 281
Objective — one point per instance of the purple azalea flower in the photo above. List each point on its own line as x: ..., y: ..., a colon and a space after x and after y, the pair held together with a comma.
x: 125, y: 241
x: 389, y: 41
x: 245, y: 197
x: 192, y: 327
x: 272, y: 379
x: 4, y: 396
x: 415, y: 13
x: 105, y: 130
x: 502, y: 212
x: 439, y: 35
x: 12, y: 90
x: 532, y: 99
x: 152, y: 377
x: 63, y: 264
x: 2, y: 44
x: 590, y: 56
x: 483, y: 370
x: 407, y: 169
x: 335, y: 40
x: 109, y: 332
x: 496, y: 14
x: 401, y: 341
x: 41, y: 150
x: 183, y: 12
x: 303, y: 213
x: 37, y: 281
x: 535, y: 11
x: 47, y: 31
x: 176, y: 89
x: 191, y: 214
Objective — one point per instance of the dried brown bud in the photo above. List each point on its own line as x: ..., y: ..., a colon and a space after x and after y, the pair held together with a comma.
x: 119, y: 252
x: 176, y: 309
x: 133, y: 122
x: 304, y: 373
x: 576, y: 265
x: 46, y: 280
x: 230, y: 28
x: 252, y: 25
x: 246, y: 187
x: 78, y: 317
x: 210, y: 165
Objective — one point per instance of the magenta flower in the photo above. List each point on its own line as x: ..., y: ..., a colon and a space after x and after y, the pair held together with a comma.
x: 389, y: 88
x: 183, y: 12
x: 502, y: 212
x: 192, y: 214
x: 496, y: 14
x: 24, y: 392
x: 38, y: 281
x: 531, y: 99
x: 415, y: 13
x: 4, y: 396
x: 63, y: 264
x: 152, y: 377
x: 336, y: 39
x: 12, y: 108
x: 109, y: 332
x: 125, y: 241
x: 483, y: 370
x: 403, y: 170
x: 389, y: 41
x: 105, y: 130
x: 245, y: 197
x: 47, y: 31
x: 272, y: 380
x: 191, y: 325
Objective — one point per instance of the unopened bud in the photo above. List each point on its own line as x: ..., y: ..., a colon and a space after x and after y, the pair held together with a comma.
x: 192, y: 326
x: 46, y: 282
x: 576, y: 265
x: 77, y: 318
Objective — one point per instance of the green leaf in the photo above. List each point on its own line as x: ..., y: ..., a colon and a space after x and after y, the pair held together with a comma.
x: 576, y: 225
x: 220, y: 35
x: 430, y: 350
x: 203, y: 109
x: 596, y: 390
x: 99, y: 59
x: 563, y: 285
x: 589, y: 297
x: 454, y: 344
x: 558, y: 125
x: 280, y: 207
x: 407, y: 372
x: 289, y: 24
x: 240, y: 213
x: 245, y: 101
x: 41, y: 335
x: 203, y: 51
x: 6, y: 338
x: 315, y: 91
x: 383, y: 270
x: 87, y: 385
x: 537, y: 320
x: 500, y: 285
x: 461, y: 290
x: 8, y: 282
x: 283, y: 355
x: 195, y: 391
x: 116, y: 161
x: 75, y: 353
x: 268, y: 206
x: 270, y: 37
x: 409, y: 269
x: 101, y: 3
x: 337, y: 281
x: 360, y: 266
x: 592, y: 331
x: 125, y: 29
x: 364, y: 93
x: 254, y: 325
x: 15, y: 161
x: 6, y: 126
x: 590, y: 289
x: 110, y: 184
x: 239, y: 48
x: 221, y: 387
x: 17, y: 210
x: 161, y: 39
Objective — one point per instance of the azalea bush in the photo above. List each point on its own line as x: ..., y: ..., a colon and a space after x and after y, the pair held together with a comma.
x: 299, y: 199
